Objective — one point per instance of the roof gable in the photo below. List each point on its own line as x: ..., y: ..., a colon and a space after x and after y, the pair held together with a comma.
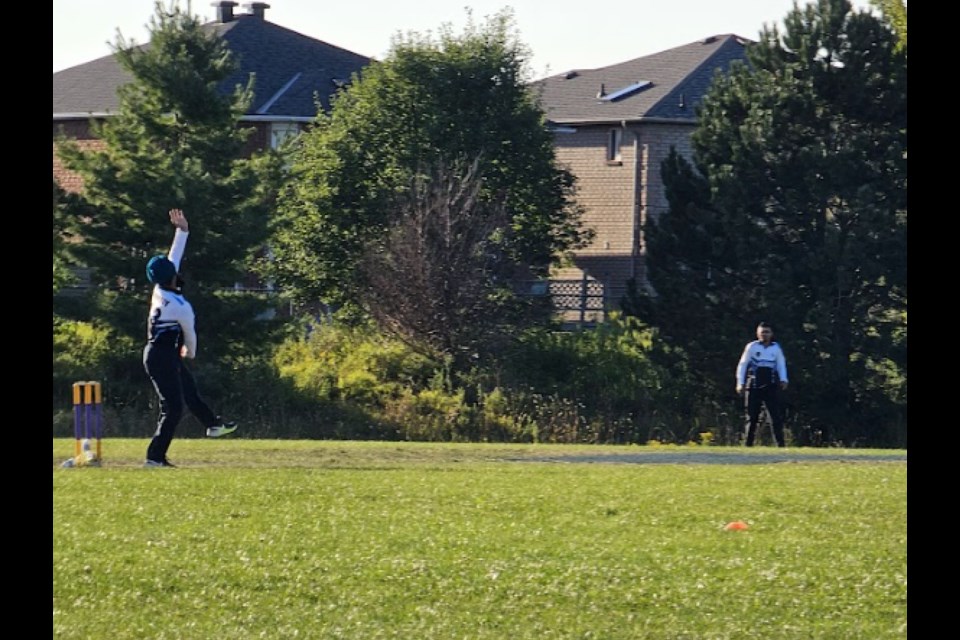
x: 678, y: 78
x: 289, y: 70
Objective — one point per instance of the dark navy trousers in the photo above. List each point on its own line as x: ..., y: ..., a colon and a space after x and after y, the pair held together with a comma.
x: 755, y: 398
x: 175, y: 387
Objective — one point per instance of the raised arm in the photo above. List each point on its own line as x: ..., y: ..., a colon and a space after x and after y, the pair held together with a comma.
x: 179, y: 236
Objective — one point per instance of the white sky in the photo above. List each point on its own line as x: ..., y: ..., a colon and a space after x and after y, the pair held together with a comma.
x: 561, y: 34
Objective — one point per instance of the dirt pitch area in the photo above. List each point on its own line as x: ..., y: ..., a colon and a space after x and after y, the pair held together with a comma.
x: 719, y: 457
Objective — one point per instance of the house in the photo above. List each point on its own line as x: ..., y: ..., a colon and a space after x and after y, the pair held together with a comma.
x: 613, y: 127
x: 290, y: 70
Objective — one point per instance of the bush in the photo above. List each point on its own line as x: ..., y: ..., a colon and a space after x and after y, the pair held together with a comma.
x: 345, y: 380
x: 93, y: 351
x: 594, y: 385
x: 428, y: 415
x: 605, y: 385
x: 336, y: 362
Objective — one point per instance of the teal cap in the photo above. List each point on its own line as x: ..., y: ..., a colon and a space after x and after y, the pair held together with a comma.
x: 160, y: 270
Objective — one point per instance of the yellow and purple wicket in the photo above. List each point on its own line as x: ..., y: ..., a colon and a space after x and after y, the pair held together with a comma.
x: 87, y: 417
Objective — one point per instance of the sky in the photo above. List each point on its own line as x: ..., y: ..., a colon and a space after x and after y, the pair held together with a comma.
x: 561, y: 34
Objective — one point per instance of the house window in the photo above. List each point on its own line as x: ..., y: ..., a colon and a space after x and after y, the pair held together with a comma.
x: 613, y: 146
x: 281, y: 131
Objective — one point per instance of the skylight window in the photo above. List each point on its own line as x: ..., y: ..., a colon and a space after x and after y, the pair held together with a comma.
x: 626, y: 91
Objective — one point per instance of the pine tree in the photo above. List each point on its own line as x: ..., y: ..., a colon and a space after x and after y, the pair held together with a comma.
x: 796, y: 214
x: 174, y: 143
x: 62, y: 260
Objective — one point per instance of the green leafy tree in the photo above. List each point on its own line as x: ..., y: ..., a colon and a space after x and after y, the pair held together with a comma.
x: 796, y: 214
x: 458, y: 96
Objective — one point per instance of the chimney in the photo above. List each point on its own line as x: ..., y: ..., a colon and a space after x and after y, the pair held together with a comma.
x: 224, y: 10
x: 257, y: 9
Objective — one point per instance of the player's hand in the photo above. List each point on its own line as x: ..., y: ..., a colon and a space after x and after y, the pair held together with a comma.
x: 185, y: 353
x: 739, y: 389
x: 783, y: 385
x: 179, y: 220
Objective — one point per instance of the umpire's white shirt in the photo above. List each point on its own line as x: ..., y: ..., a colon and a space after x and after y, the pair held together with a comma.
x: 756, y: 355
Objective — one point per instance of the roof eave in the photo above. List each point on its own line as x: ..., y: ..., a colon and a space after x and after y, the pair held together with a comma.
x: 82, y: 115
x: 245, y: 118
x: 266, y: 118
x: 575, y: 122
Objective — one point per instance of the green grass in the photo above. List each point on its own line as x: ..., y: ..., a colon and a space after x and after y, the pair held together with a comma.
x: 285, y: 539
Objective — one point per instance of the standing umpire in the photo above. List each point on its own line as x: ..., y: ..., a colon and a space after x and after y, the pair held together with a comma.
x: 761, y: 375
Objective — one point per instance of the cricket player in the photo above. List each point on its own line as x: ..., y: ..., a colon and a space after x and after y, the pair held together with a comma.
x: 171, y: 341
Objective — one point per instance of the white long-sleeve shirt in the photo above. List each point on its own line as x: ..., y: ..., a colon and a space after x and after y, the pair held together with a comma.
x: 756, y: 355
x: 171, y: 315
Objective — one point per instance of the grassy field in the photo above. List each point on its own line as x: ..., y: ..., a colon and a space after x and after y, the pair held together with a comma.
x: 294, y: 539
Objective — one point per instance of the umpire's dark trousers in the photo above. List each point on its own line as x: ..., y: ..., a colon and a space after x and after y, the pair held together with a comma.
x: 175, y: 387
x: 754, y: 399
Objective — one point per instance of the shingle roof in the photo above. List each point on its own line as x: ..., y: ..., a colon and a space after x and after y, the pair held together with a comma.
x: 275, y: 55
x: 685, y: 71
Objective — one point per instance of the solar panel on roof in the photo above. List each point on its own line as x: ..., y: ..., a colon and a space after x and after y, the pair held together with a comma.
x: 630, y: 89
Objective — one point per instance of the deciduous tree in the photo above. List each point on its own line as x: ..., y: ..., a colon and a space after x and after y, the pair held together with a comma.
x: 436, y: 279
x: 455, y: 96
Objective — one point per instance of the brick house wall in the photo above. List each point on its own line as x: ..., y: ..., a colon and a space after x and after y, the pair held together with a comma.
x: 618, y: 197
x: 79, y: 130
x: 654, y: 142
x: 605, y: 190
x: 259, y: 137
